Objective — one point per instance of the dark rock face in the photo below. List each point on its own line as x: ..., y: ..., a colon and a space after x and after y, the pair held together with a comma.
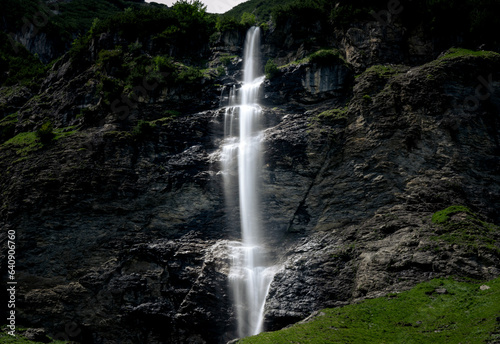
x: 364, y: 223
x: 125, y: 239
x: 308, y: 83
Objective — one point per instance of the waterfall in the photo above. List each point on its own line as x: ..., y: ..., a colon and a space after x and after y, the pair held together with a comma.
x: 251, y: 274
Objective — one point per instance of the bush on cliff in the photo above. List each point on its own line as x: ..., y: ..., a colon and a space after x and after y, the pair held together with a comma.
x: 46, y: 132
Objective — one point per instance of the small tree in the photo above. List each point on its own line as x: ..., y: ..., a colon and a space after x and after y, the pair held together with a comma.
x: 143, y: 129
x: 248, y: 19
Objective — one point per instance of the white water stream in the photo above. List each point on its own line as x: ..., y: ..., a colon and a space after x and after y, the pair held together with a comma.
x: 251, y: 273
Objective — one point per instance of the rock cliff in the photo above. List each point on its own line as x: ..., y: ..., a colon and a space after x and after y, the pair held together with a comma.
x: 122, y: 230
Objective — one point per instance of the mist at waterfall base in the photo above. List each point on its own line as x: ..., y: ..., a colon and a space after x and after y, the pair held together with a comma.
x: 251, y: 272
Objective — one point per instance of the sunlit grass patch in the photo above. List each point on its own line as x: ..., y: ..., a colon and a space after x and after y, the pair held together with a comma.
x: 438, y: 311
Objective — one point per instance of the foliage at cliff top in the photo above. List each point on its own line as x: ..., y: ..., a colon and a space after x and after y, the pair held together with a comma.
x: 183, y: 26
x: 438, y: 311
x: 72, y: 18
x: 475, y: 20
x: 262, y: 9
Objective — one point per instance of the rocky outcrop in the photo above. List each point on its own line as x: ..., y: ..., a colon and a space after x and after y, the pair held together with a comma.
x: 45, y: 47
x: 364, y: 227
x: 308, y: 83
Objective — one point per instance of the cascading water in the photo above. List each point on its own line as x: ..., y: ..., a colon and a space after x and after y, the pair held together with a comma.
x: 251, y: 273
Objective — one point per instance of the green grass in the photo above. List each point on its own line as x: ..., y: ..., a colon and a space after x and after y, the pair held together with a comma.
x: 454, y: 53
x: 463, y: 314
x: 24, y: 143
x: 5, y: 338
x: 60, y: 133
x: 169, y: 117
x: 320, y: 57
x: 443, y: 216
x: 382, y: 71
x: 466, y: 229
x: 333, y: 114
x: 29, y: 142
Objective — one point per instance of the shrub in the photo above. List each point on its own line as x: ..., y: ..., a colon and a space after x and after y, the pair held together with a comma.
x: 189, y: 75
x: 46, y: 132
x: 325, y: 56
x: 163, y: 64
x: 248, y: 19
x: 271, y: 69
x: 143, y: 129
x: 227, y: 23
x: 334, y: 114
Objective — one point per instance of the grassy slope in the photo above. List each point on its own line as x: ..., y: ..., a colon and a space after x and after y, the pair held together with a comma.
x: 439, y: 311
x: 19, y: 339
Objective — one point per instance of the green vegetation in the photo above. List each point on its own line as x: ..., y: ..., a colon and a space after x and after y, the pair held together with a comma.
x: 73, y: 19
x: 14, y: 10
x: 28, y: 142
x: 19, y: 338
x: 458, y: 225
x: 334, y: 114
x: 226, y: 59
x: 262, y: 9
x: 78, y: 16
x: 320, y: 57
x: 454, y: 53
x: 326, y: 57
x: 438, y: 311
x: 60, y: 133
x: 125, y: 74
x: 382, y: 71
x: 24, y: 143
x: 169, y: 117
x: 473, y: 19
x: 46, y: 132
x: 302, y: 12
x: 130, y: 74
x: 143, y: 129
x: 328, y: 119
x: 185, y: 25
x: 227, y: 23
x: 443, y: 217
x: 271, y: 69
x: 8, y: 127
x: 17, y: 65
x: 248, y: 19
